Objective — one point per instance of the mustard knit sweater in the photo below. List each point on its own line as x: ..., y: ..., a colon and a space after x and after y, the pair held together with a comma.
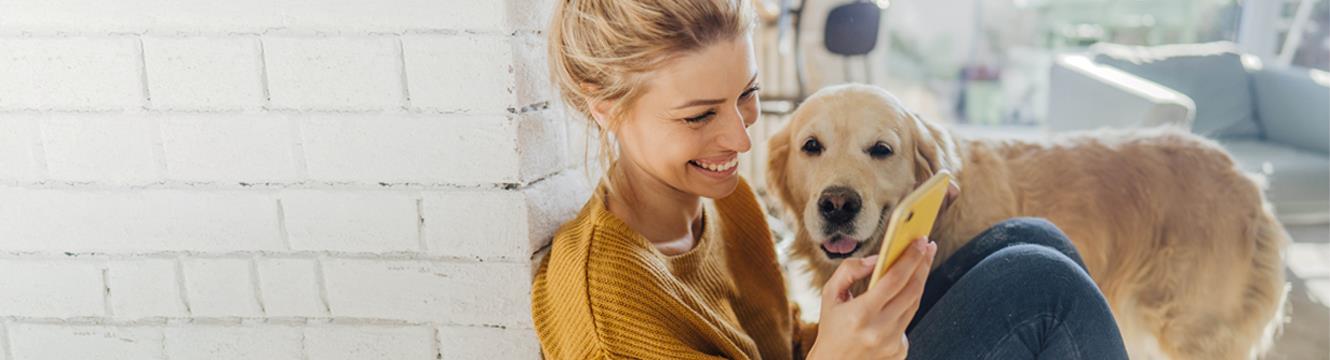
x: 605, y: 292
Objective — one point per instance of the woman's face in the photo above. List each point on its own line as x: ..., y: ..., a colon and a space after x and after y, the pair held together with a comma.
x: 689, y: 127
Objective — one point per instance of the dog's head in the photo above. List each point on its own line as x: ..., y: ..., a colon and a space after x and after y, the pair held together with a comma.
x: 850, y: 154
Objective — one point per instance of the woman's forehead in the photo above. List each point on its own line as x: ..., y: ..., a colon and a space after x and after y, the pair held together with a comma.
x: 718, y: 70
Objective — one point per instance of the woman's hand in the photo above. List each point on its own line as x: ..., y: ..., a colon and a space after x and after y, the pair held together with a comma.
x: 872, y: 326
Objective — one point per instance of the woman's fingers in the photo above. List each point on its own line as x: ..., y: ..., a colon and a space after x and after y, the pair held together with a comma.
x: 837, y: 288
x: 902, y: 307
x: 897, y: 276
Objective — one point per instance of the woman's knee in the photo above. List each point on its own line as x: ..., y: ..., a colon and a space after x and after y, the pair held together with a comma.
x: 1040, y: 269
x: 1030, y: 230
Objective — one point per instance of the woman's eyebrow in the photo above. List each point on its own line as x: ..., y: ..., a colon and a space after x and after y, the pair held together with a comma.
x: 698, y: 102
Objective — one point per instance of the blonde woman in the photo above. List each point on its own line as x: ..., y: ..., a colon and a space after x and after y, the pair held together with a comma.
x: 671, y: 257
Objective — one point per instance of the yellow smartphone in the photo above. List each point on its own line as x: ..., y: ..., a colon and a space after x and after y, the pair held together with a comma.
x: 912, y: 219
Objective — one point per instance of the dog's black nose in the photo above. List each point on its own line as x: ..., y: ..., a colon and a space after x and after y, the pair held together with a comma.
x: 839, y: 204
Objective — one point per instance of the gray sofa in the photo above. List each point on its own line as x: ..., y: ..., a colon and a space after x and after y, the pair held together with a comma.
x: 1274, y: 120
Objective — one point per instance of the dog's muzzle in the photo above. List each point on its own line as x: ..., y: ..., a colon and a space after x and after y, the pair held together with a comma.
x: 838, y: 205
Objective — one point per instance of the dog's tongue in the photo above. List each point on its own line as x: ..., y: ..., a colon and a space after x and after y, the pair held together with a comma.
x: 839, y: 245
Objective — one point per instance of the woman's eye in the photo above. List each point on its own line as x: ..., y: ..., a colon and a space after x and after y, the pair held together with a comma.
x: 748, y: 94
x: 879, y: 150
x: 703, y: 117
x: 812, y: 146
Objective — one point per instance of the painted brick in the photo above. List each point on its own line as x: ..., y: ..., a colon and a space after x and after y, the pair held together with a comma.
x: 340, y: 73
x: 197, y: 73
x: 259, y: 15
x: 461, y: 73
x: 230, y: 148
x: 477, y: 223
x: 457, y: 293
x: 542, y: 143
x: 554, y: 201
x: 61, y: 289
x: 144, y: 288
x: 21, y: 156
x: 410, y: 148
x: 369, y: 342
x: 456, y: 342
x: 109, y: 149
x: 137, y: 221
x: 81, y: 73
x: 351, y: 221
x: 290, y: 287
x: 220, y: 288
x: 63, y: 342
x: 257, y: 342
x: 4, y: 342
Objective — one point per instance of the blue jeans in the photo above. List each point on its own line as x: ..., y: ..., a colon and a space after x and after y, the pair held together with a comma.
x: 1017, y: 291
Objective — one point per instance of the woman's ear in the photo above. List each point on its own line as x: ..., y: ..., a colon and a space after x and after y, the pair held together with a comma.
x: 600, y: 111
x: 934, y: 150
x: 778, y: 155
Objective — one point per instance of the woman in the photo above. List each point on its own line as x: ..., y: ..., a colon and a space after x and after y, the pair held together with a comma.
x: 671, y: 258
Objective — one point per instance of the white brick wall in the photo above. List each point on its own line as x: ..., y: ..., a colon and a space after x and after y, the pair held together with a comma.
x: 277, y: 179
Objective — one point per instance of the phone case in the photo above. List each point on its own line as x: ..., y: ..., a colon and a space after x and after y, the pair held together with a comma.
x: 913, y: 218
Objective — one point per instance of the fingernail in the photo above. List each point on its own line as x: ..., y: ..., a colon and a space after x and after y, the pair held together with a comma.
x: 921, y: 244
x: 870, y: 260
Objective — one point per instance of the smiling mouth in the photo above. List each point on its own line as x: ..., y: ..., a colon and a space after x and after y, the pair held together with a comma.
x: 720, y: 167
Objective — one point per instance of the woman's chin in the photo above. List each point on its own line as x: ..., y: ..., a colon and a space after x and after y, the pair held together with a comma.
x: 716, y: 189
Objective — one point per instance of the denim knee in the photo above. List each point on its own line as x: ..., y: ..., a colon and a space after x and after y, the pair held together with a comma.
x: 1028, y: 230
x: 1040, y: 273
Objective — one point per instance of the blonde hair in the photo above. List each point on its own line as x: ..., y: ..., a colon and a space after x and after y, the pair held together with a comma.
x: 599, y: 50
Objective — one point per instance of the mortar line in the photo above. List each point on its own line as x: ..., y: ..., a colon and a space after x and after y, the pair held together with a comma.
x: 323, y: 285
x: 281, y: 225
x: 406, y: 88
x: 438, y: 347
x: 257, y: 282
x: 106, y: 291
x: 5, y: 342
x: 304, y: 346
x: 143, y: 75
x: 420, y: 225
x: 263, y: 74
x: 180, y: 282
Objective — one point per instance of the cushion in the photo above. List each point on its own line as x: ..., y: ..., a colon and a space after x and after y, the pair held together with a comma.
x: 1294, y: 106
x: 1299, y: 180
x: 1210, y: 74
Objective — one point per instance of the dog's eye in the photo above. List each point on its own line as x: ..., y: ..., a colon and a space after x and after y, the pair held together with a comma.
x: 879, y: 150
x: 812, y: 146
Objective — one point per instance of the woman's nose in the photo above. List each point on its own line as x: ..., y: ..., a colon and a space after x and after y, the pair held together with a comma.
x: 735, y: 134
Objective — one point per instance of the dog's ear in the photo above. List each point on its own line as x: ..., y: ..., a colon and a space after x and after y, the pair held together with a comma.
x: 934, y: 150
x: 778, y: 154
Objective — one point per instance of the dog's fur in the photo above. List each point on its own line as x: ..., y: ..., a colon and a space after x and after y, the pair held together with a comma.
x: 1180, y: 241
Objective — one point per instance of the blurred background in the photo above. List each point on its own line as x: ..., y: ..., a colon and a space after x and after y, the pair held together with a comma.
x: 1250, y: 74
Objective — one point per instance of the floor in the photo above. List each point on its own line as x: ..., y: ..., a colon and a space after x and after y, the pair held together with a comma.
x: 1307, y: 334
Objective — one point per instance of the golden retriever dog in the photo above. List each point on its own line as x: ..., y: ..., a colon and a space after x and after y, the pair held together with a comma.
x: 1180, y: 241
